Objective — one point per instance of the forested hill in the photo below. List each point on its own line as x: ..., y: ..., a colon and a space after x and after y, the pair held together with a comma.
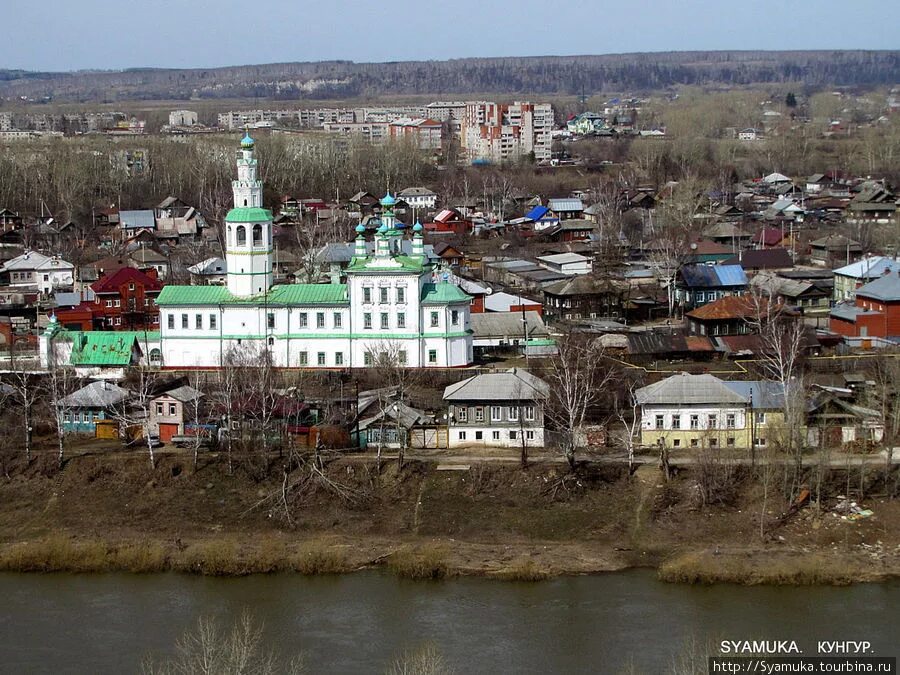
x: 532, y: 75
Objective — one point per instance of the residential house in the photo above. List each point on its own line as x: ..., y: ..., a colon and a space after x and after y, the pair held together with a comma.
x: 873, y: 204
x: 570, y: 230
x: 386, y: 421
x: 211, y: 271
x: 728, y: 234
x: 566, y: 208
x: 500, y: 409
x: 146, y: 259
x: 566, y: 263
x: 542, y: 218
x: 875, y: 311
x: 772, y: 237
x: 450, y: 221
x: 709, y: 252
x: 46, y: 274
x: 584, y: 297
x: 449, y: 254
x: 692, y: 411
x: 105, y: 354
x: 697, y: 285
x: 420, y: 199
x: 363, y: 202
x: 834, y: 247
x: 124, y: 300
x: 83, y: 410
x: 730, y: 315
x: 171, y: 411
x: 835, y: 420
x: 132, y: 222
x: 850, y: 277
x: 173, y: 216
x: 749, y: 134
x: 756, y: 260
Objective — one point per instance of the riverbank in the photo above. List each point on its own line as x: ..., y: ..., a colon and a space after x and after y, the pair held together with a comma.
x: 112, y: 512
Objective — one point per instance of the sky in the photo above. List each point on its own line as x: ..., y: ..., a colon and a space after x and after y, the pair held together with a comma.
x: 61, y: 35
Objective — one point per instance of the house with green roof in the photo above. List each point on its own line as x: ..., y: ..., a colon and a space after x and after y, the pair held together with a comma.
x: 395, y: 300
x: 98, y: 353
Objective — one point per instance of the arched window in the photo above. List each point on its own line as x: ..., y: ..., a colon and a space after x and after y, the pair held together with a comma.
x: 228, y: 238
x: 257, y: 235
x: 155, y: 357
x: 241, y: 235
x: 245, y: 202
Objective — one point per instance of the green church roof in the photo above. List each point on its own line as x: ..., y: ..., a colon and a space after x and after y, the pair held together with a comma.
x: 104, y: 348
x: 281, y: 295
x: 372, y: 264
x: 443, y: 294
x: 248, y: 214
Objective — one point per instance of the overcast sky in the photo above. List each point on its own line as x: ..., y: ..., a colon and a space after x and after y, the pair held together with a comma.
x: 67, y: 35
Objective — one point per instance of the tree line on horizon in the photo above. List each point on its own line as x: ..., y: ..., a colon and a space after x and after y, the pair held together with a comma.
x: 532, y: 75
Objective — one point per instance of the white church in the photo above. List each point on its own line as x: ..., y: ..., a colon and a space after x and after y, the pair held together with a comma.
x: 392, y: 303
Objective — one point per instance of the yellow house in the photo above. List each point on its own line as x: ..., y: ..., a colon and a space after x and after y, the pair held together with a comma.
x: 694, y: 411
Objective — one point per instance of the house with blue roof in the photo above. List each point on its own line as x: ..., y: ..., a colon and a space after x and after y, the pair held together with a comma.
x: 700, y: 284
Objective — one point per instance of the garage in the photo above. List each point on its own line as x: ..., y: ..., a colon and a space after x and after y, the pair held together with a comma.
x: 166, y: 431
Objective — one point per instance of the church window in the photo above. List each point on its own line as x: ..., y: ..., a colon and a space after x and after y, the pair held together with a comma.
x: 171, y: 323
x: 184, y: 321
x: 384, y: 321
x: 367, y: 320
x: 338, y: 320
x: 241, y: 235
x: 320, y: 358
x: 303, y: 320
x: 212, y: 321
x: 401, y: 295
x: 320, y: 319
x: 198, y: 322
x: 432, y: 356
x: 270, y: 320
x: 454, y: 317
x: 257, y: 235
x: 367, y: 358
x: 401, y: 357
x: 434, y: 320
x: 401, y: 320
x: 383, y: 295
x: 339, y: 358
x: 367, y: 295
x: 302, y: 358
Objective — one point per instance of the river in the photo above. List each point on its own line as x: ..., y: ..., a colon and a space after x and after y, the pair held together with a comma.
x: 60, y: 623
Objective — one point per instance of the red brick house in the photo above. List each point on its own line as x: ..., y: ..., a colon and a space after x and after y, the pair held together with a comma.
x: 874, y: 313
x: 124, y: 300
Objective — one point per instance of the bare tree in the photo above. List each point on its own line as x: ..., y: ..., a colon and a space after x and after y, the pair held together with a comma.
x: 578, y: 375
x: 781, y: 341
x: 628, y: 415
x: 391, y: 368
x: 27, y: 389
x: 134, y: 414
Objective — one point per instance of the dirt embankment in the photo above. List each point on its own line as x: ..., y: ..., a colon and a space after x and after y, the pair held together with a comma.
x: 114, y: 512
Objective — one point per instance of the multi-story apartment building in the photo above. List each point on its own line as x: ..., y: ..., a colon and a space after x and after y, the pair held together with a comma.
x: 427, y: 133
x: 495, y: 132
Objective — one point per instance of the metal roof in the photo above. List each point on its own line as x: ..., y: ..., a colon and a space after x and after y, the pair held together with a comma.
x: 101, y: 394
x: 711, y: 276
x: 885, y: 288
x: 248, y: 214
x: 766, y: 395
x: 510, y: 385
x: 184, y: 394
x: 869, y: 268
x: 507, y: 325
x: 284, y: 294
x: 565, y: 205
x: 143, y: 219
x: 538, y: 212
x: 102, y: 348
x: 686, y: 389
x: 443, y: 293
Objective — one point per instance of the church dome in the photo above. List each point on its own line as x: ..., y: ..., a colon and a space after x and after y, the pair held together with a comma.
x: 417, y: 227
x: 388, y: 200
x: 360, y: 229
x: 247, y: 142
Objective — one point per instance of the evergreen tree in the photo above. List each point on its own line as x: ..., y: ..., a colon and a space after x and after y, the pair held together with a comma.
x: 790, y: 100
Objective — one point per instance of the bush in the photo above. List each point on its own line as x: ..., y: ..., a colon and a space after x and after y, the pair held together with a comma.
x: 141, y: 558
x: 215, y: 558
x: 523, y: 570
x: 424, y: 562
x: 56, y: 553
x: 317, y: 557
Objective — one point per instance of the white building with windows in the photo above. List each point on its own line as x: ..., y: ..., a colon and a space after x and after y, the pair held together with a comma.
x: 504, y: 409
x: 392, y: 303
